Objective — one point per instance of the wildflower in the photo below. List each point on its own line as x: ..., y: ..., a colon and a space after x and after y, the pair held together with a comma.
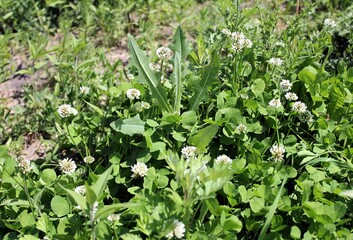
x: 223, y: 159
x: 276, y: 103
x: 67, y: 166
x: 155, y: 67
x: 103, y: 100
x: 113, y: 217
x: 81, y: 189
x: 306, y: 117
x: 276, y: 62
x: 188, y: 152
x: 178, y: 231
x: 226, y: 31
x: 299, y: 107
x: 131, y: 76
x: 139, y: 169
x: 24, y: 164
x: 89, y: 159
x: 84, y: 90
x: 66, y: 110
x: 164, y: 53
x: 330, y: 23
x: 241, y: 128
x: 291, y: 96
x: 244, y: 96
x: 286, y: 85
x: 279, y: 44
x: 277, y: 152
x: 133, y: 93
x: 145, y: 105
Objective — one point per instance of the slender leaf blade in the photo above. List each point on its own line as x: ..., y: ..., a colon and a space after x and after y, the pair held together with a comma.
x: 177, y: 83
x: 181, y: 45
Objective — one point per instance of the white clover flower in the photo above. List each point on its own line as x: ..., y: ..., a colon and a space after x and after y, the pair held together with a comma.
x: 164, y: 53
x: 24, y: 164
x: 244, y: 96
x: 241, y: 128
x: 66, y: 110
x: 67, y: 166
x: 131, y: 76
x: 330, y: 23
x: 139, y: 170
x: 226, y: 31
x: 113, y: 217
x: 248, y: 43
x: 306, y: 117
x: 133, y: 93
x: 291, y: 96
x: 145, y: 105
x: 240, y: 41
x: 178, y: 231
x: 279, y: 44
x: 155, y: 67
x: 276, y: 62
x: 276, y: 103
x: 103, y: 100
x: 89, y: 159
x: 277, y: 152
x: 223, y: 159
x: 81, y: 189
x: 286, y: 85
x: 299, y: 107
x: 188, y: 152
x: 84, y: 90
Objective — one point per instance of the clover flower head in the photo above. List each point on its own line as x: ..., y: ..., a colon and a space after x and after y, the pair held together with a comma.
x: 276, y: 103
x: 275, y: 62
x: 188, y: 152
x: 84, y: 90
x: 290, y: 96
x: 67, y: 166
x: 306, y: 117
x: 277, y: 152
x: 103, y: 100
x: 66, y: 110
x: 145, y: 105
x: 299, y: 107
x: 24, y: 164
x: 241, y: 128
x: 286, y: 85
x: 113, y: 217
x: 279, y: 44
x: 223, y: 159
x: 81, y: 189
x: 164, y: 53
x: 178, y: 231
x: 139, y: 169
x: 226, y: 31
x: 133, y: 93
x: 330, y: 23
x: 131, y: 76
x: 240, y: 41
x: 155, y: 67
x: 88, y: 159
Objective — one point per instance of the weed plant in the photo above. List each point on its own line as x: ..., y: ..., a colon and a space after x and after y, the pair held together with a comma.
x: 244, y: 133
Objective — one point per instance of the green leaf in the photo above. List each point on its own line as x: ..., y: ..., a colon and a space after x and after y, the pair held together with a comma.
x: 177, y: 83
x: 233, y: 224
x: 308, y: 75
x: 91, y: 196
x: 203, y: 137
x: 60, y: 206
x: 141, y: 62
x: 43, y: 223
x: 209, y: 75
x: 129, y: 126
x: 48, y: 175
x: 95, y: 108
x: 99, y: 186
x: 257, y: 204
x: 295, y: 232
x: 106, y: 210
x: 271, y: 212
x: 79, y: 199
x: 258, y: 87
x: 336, y: 101
x: 180, y: 44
